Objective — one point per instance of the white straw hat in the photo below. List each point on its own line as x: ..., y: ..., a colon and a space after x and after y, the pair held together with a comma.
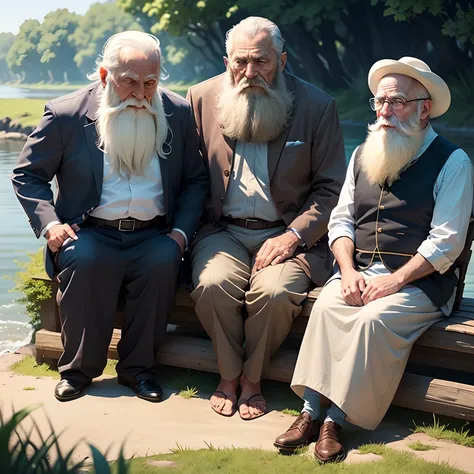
x: 417, y: 69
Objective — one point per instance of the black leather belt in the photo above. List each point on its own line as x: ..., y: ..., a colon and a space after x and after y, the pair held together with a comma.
x: 128, y: 224
x: 253, y: 224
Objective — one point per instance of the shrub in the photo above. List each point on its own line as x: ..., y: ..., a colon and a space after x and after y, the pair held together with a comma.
x: 31, y: 453
x: 35, y: 291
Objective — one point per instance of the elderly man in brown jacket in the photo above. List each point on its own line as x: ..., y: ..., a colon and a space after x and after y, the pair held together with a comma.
x: 275, y: 153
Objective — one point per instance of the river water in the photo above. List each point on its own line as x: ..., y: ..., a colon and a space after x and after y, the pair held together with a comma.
x: 17, y: 238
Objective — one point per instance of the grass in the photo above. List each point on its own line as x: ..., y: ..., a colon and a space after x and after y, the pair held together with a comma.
x: 256, y: 461
x: 27, y: 111
x: 189, y: 392
x: 437, y: 430
x: 28, y: 366
x: 290, y: 411
x: 28, y: 389
x: 419, y: 446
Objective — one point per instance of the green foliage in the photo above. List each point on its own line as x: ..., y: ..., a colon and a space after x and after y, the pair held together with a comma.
x: 419, y: 446
x: 101, y: 21
x: 257, y: 461
x: 437, y: 430
x: 462, y: 97
x: 6, y: 41
x: 54, y: 46
x: 29, y: 389
x: 29, y: 452
x: 189, y: 392
x: 290, y: 411
x: 35, y: 291
x: 458, y: 18
x: 28, y: 366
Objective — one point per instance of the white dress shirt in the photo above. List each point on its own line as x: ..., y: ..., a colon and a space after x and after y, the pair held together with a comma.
x: 453, y: 196
x: 137, y: 197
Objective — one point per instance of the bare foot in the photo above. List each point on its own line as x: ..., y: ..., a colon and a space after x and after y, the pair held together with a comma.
x: 251, y: 403
x: 224, y: 399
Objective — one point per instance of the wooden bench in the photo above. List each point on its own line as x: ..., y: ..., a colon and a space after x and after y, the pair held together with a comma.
x: 448, y: 345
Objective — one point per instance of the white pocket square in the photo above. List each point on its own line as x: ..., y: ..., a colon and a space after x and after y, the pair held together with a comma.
x: 291, y: 144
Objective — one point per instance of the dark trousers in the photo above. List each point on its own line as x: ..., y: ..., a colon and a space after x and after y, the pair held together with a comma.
x: 93, y: 271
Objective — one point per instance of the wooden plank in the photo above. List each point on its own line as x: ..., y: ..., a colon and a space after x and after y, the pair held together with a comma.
x: 444, y: 359
x: 415, y: 391
x: 436, y: 396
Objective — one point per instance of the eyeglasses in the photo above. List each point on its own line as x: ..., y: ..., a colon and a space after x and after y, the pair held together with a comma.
x: 395, y: 104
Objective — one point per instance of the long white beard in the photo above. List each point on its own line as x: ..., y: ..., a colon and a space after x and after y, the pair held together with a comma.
x: 254, y: 114
x: 131, y: 136
x: 387, y: 152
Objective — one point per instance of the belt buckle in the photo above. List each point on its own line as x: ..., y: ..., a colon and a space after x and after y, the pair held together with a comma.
x: 247, y: 221
x: 121, y: 229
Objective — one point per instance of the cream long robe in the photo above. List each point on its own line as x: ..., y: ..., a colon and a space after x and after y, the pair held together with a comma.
x: 356, y: 356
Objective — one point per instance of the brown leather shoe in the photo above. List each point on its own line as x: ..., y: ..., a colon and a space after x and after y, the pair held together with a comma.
x: 301, y: 433
x: 329, y: 447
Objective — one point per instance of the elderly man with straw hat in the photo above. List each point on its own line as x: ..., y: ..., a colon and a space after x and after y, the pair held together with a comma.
x: 399, y: 226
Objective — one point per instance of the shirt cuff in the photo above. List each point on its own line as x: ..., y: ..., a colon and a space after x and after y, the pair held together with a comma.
x: 48, y: 226
x: 301, y: 242
x: 435, y: 256
x: 338, y: 233
x: 184, y: 235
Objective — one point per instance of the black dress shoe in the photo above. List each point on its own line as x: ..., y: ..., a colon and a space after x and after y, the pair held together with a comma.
x: 68, y: 390
x: 147, y: 389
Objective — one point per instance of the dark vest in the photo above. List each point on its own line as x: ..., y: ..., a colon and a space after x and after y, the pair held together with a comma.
x: 391, y: 222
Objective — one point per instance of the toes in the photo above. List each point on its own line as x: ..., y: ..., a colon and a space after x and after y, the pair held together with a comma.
x: 244, y: 411
x: 228, y: 407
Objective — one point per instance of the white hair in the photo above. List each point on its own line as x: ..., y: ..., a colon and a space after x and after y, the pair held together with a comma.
x: 110, y: 57
x: 252, y: 26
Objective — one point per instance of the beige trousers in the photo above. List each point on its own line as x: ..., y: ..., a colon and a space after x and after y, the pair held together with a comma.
x: 356, y: 356
x: 246, y: 316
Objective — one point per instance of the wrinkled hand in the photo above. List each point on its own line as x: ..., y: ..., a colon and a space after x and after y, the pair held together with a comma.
x: 59, y: 233
x: 381, y: 286
x: 179, y: 239
x: 352, y: 286
x: 275, y: 250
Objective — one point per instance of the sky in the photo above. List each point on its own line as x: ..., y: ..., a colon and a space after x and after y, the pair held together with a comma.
x: 15, y: 12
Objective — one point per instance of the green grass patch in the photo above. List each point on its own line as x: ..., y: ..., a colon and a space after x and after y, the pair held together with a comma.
x: 189, y: 392
x: 437, y: 430
x: 28, y: 366
x: 373, y: 448
x: 256, y: 461
x: 110, y: 367
x: 419, y: 446
x: 27, y: 111
x: 28, y: 389
x: 290, y: 411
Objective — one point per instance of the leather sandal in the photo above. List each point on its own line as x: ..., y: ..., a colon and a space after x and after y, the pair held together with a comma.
x: 227, y: 397
x: 246, y: 401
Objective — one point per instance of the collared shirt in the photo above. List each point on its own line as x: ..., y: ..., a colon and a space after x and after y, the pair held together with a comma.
x: 139, y: 197
x: 453, y: 196
x: 248, y: 193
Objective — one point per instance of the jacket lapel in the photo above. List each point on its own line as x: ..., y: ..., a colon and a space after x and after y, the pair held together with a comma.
x: 276, y: 146
x: 95, y: 154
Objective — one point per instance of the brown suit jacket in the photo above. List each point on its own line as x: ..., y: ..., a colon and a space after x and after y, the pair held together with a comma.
x: 306, y: 167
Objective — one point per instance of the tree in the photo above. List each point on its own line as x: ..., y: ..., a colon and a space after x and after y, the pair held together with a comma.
x: 6, y: 41
x: 23, y: 58
x: 99, y: 23
x: 55, y: 47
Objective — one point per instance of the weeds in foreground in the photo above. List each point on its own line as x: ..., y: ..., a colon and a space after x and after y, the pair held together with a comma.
x: 419, y: 446
x: 439, y: 431
x: 290, y: 411
x: 28, y: 389
x: 29, y: 452
x: 189, y: 392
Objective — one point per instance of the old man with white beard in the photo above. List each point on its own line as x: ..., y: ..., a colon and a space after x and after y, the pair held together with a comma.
x: 131, y: 190
x: 276, y: 159
x: 399, y: 226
